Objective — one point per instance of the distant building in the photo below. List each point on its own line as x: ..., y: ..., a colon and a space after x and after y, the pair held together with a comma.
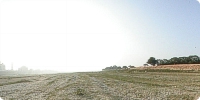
x: 23, y: 68
x: 12, y: 66
x: 2, y: 66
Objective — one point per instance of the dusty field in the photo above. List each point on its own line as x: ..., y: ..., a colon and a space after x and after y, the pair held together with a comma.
x: 107, y: 85
x: 175, y: 67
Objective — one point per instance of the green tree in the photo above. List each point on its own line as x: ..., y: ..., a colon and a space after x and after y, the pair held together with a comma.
x: 125, y: 67
x: 194, y: 59
x: 160, y: 62
x: 183, y: 60
x: 175, y: 60
x: 152, y: 61
x: 131, y: 66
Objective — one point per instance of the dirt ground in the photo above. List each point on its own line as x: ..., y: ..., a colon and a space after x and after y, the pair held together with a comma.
x: 174, y: 67
x: 106, y: 85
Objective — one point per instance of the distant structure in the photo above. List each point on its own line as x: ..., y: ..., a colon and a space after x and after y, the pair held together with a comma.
x: 12, y: 66
x: 2, y: 66
x: 23, y: 68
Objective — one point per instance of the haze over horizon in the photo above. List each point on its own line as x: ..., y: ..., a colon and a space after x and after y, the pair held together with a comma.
x: 89, y: 35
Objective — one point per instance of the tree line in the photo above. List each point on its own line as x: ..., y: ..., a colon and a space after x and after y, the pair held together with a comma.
x: 118, y: 67
x: 192, y: 59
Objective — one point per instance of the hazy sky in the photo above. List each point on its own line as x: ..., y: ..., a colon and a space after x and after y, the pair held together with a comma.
x: 88, y: 35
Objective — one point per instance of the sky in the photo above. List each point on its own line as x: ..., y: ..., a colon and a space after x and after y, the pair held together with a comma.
x: 89, y: 35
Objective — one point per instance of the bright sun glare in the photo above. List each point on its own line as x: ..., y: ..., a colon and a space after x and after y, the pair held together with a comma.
x: 92, y: 35
x: 78, y: 34
x: 88, y: 17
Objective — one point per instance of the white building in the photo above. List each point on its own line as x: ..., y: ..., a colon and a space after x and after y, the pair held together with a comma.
x: 2, y: 66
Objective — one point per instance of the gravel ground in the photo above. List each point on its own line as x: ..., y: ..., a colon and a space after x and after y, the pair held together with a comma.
x: 107, y: 85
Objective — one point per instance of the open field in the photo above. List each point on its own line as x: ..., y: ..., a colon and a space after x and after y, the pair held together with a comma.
x: 175, y: 67
x: 105, y: 85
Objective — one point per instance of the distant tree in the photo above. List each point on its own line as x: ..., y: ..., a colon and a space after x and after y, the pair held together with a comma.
x: 183, y: 60
x: 131, y: 66
x: 152, y: 61
x: 124, y: 67
x: 175, y: 60
x: 119, y: 67
x: 112, y: 68
x: 159, y: 61
x: 145, y: 65
x: 192, y: 59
